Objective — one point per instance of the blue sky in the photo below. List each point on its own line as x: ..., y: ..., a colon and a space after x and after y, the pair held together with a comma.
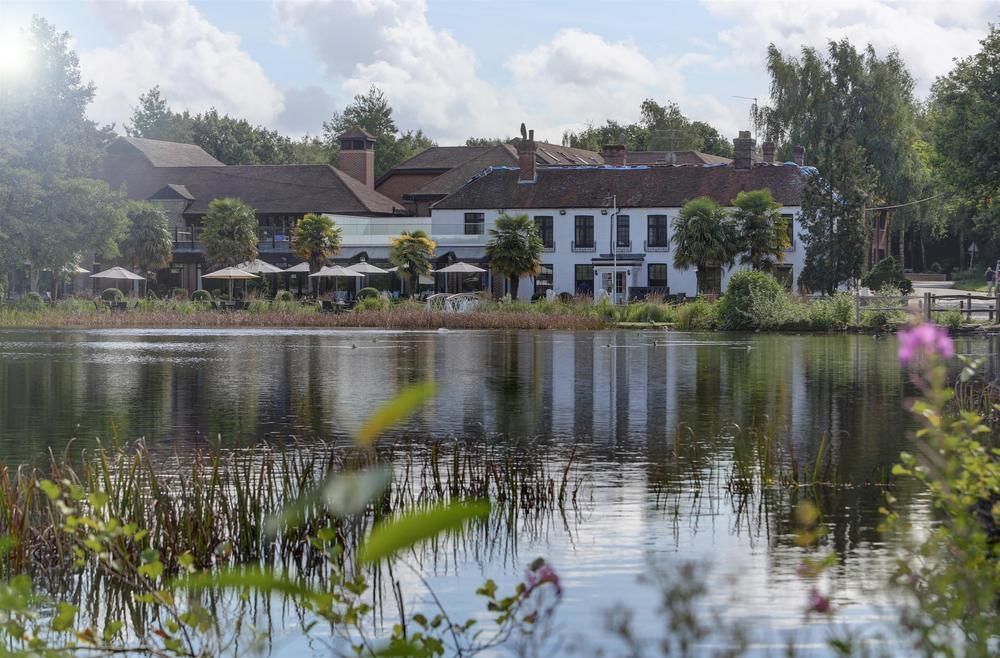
x: 462, y: 68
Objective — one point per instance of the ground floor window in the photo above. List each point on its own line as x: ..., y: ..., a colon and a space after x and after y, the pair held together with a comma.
x: 543, y: 280
x: 585, y: 279
x: 784, y: 274
x: 657, y: 275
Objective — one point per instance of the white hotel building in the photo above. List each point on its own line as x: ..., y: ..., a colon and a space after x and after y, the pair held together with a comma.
x: 602, y: 223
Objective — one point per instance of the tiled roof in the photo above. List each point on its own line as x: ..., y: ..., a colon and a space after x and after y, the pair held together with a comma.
x: 356, y: 133
x: 442, y: 157
x: 673, y: 157
x: 554, y: 154
x: 167, y: 154
x: 635, y: 187
x: 288, y: 189
x: 445, y: 184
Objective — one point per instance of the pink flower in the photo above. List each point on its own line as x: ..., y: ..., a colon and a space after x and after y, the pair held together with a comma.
x: 538, y: 574
x: 817, y: 602
x: 924, y: 340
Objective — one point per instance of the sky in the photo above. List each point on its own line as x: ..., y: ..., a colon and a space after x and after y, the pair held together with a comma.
x: 462, y: 68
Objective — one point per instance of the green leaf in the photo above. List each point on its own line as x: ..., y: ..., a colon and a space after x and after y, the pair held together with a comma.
x: 51, y: 489
x: 63, y: 621
x: 394, y: 411
x: 406, y: 530
x: 249, y: 578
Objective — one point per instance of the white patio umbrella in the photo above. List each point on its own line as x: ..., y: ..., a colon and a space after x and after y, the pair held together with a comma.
x: 459, y: 268
x: 117, y: 274
x: 336, y: 272
x: 259, y: 267
x: 230, y: 274
x: 80, y: 270
x: 301, y: 268
x: 366, y: 268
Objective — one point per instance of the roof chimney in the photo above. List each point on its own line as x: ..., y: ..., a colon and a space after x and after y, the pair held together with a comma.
x: 357, y: 155
x: 613, y: 154
x: 767, y: 150
x: 743, y: 150
x: 526, y: 157
x: 799, y: 155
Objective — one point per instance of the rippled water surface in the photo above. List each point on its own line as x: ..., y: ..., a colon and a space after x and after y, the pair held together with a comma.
x: 624, y: 405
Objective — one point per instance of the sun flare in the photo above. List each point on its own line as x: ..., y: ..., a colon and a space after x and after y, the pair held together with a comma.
x: 15, y: 53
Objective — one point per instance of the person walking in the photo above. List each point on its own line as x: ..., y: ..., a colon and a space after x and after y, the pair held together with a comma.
x: 991, y: 278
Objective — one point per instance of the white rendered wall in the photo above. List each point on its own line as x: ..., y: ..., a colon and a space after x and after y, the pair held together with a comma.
x: 564, y: 259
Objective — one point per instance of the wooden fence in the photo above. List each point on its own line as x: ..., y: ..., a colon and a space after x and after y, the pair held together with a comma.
x: 927, y: 304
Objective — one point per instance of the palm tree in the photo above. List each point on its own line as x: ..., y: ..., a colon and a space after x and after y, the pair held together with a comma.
x: 514, y: 249
x: 763, y: 230
x: 315, y: 239
x: 147, y: 246
x: 705, y: 238
x: 229, y: 232
x: 411, y: 252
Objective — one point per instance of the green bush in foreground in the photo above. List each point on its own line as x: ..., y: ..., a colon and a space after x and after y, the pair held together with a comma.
x: 887, y: 273
x: 697, y: 315
x: 112, y: 295
x: 377, y: 303
x: 283, y: 296
x: 753, y: 300
x: 201, y: 296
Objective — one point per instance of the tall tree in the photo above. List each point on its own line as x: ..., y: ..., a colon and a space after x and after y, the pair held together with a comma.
x: 147, y: 246
x: 53, y: 209
x: 411, y: 252
x: 152, y: 118
x: 371, y: 111
x: 763, y: 230
x: 965, y: 120
x: 315, y: 239
x: 514, y: 249
x: 833, y: 219
x: 705, y: 238
x: 660, y: 128
x: 842, y: 100
x: 229, y: 233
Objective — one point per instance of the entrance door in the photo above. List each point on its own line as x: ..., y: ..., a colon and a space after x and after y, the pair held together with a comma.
x: 621, y: 289
x: 619, y: 293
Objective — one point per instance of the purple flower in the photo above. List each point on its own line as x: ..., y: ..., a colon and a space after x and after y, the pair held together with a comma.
x: 818, y: 602
x: 538, y: 574
x: 924, y: 340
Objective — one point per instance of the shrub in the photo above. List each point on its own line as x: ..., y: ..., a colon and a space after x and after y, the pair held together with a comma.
x: 696, y: 315
x: 112, y: 295
x: 887, y: 273
x: 284, y: 296
x: 565, y: 297
x: 368, y: 293
x: 935, y: 267
x: 753, y: 300
x: 951, y: 319
x: 201, y: 296
x: 377, y: 303
x: 179, y: 293
x: 645, y: 312
x: 834, y: 312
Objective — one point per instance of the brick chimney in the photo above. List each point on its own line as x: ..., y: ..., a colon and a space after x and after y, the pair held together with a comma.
x: 799, y: 155
x: 357, y: 155
x: 767, y: 150
x: 743, y: 150
x: 613, y: 154
x: 526, y: 157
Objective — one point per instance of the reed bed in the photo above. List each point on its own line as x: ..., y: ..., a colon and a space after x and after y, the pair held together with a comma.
x: 394, y: 318
x: 218, y: 505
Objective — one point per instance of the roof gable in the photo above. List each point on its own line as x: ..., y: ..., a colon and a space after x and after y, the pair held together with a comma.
x: 159, y: 153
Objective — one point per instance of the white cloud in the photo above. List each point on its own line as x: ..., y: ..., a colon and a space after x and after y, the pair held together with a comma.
x: 927, y: 34
x: 580, y: 77
x: 171, y: 44
x: 429, y: 77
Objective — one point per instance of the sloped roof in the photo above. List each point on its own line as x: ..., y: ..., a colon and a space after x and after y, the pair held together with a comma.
x: 554, y: 154
x: 356, y: 132
x: 288, y: 189
x: 172, y: 191
x: 441, y: 158
x: 635, y: 187
x: 167, y: 154
x: 446, y: 183
x: 674, y: 157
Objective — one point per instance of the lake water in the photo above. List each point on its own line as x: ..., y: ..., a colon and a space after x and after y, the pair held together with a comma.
x: 651, y: 419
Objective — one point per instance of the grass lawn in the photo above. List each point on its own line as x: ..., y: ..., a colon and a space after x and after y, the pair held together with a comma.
x: 972, y: 285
